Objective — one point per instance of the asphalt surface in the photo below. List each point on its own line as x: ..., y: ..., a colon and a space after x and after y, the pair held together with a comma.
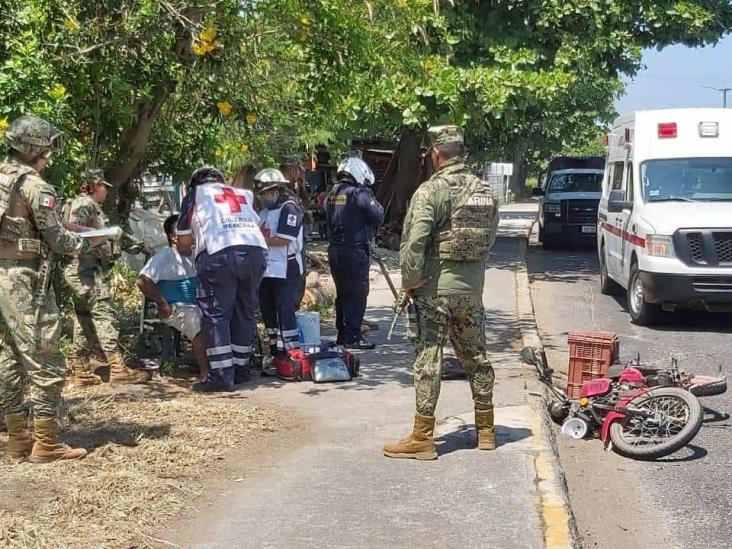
x: 684, y: 500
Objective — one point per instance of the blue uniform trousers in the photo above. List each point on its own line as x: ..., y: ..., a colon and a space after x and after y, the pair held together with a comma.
x: 349, y: 266
x: 278, y: 302
x: 228, y: 282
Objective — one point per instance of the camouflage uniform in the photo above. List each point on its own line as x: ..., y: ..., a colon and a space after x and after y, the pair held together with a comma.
x: 96, y: 329
x: 450, y: 303
x: 30, y: 350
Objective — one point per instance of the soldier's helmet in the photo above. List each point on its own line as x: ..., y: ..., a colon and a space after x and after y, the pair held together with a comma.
x: 33, y: 135
x: 269, y: 179
x: 357, y: 169
x: 206, y: 174
x: 94, y: 175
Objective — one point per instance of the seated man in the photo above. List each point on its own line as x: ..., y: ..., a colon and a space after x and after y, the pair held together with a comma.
x: 169, y: 279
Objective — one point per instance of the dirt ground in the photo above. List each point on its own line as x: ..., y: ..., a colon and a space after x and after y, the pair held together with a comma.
x: 152, y: 451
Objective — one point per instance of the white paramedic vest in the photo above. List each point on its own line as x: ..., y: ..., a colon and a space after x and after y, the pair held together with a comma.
x: 224, y: 217
x: 278, y: 256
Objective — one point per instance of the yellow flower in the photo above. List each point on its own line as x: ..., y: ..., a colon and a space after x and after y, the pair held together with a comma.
x: 208, y: 35
x: 58, y: 91
x: 224, y: 108
x: 251, y: 118
x: 71, y: 24
x: 219, y: 153
x: 3, y: 126
x: 304, y: 20
x: 401, y: 4
x: 244, y: 148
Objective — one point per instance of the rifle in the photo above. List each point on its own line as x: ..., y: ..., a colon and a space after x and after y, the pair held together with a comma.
x: 44, y: 279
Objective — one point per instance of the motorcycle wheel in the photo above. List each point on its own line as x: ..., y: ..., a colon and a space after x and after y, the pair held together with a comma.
x: 677, y: 419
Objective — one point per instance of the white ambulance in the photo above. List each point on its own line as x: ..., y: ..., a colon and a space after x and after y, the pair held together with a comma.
x: 665, y: 217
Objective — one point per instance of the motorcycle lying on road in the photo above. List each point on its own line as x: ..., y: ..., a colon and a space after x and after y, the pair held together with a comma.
x: 639, y: 421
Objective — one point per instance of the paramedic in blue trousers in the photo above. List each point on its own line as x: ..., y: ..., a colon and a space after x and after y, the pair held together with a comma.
x: 353, y: 215
x: 221, y: 222
x: 281, y: 221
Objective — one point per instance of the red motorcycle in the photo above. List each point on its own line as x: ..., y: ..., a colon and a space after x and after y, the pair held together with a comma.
x: 637, y: 420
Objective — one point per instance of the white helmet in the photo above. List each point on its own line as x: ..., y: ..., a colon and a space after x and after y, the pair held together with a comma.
x: 357, y: 169
x: 270, y: 178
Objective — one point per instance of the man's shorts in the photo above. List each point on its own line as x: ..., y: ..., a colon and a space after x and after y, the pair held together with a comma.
x: 186, y: 319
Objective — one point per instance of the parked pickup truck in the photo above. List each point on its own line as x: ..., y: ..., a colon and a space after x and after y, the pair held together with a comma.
x: 568, y: 200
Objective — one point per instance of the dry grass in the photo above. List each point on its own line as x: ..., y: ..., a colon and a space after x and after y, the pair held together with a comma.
x: 150, y: 450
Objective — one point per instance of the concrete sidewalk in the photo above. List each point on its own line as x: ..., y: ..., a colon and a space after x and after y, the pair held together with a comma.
x: 339, y: 491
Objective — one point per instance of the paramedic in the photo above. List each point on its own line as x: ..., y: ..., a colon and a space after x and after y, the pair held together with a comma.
x: 222, y: 224
x: 281, y: 221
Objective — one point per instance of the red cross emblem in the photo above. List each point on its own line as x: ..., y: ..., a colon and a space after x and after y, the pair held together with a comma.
x: 230, y: 197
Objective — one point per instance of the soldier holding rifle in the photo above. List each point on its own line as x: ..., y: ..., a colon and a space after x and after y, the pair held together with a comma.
x: 448, y: 232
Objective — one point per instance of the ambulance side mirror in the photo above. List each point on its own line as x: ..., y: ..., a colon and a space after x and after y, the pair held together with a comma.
x: 617, y: 203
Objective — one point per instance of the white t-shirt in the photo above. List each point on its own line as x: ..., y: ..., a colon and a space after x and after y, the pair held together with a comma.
x: 174, y: 274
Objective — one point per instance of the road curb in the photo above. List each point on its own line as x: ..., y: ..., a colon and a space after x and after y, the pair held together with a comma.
x: 560, y: 528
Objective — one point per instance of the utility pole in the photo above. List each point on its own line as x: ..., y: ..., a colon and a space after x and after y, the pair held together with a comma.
x: 723, y: 91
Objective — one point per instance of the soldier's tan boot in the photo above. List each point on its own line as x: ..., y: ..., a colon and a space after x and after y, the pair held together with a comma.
x: 121, y: 374
x: 47, y: 447
x: 20, y: 441
x: 81, y: 373
x: 419, y: 445
x: 484, y: 427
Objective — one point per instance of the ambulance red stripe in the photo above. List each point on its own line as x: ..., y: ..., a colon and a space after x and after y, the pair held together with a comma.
x: 625, y: 235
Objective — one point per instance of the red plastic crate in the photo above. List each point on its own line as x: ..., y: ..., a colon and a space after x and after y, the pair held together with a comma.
x: 590, y: 356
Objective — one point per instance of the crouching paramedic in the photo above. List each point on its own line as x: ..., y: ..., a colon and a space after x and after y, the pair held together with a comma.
x: 220, y: 220
x: 448, y: 232
x: 169, y: 279
x: 281, y: 223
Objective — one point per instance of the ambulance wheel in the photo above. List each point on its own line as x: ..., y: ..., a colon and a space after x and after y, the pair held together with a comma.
x: 641, y: 312
x: 607, y: 285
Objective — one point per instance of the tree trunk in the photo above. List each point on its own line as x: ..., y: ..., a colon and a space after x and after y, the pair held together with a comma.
x: 402, y: 178
x: 517, y: 184
x: 135, y: 138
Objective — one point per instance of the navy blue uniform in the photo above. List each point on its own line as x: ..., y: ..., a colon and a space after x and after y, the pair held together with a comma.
x: 353, y: 216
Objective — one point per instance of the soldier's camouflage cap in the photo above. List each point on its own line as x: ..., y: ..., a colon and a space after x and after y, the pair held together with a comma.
x: 445, y: 135
x: 94, y: 174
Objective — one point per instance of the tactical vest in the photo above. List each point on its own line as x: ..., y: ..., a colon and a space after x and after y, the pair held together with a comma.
x: 18, y: 237
x: 473, y: 224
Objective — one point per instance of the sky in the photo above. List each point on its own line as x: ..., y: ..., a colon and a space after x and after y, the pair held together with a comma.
x: 676, y: 76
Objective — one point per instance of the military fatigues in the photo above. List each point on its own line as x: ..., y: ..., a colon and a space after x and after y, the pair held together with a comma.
x: 96, y: 329
x: 445, y: 240
x: 353, y: 215
x: 29, y: 327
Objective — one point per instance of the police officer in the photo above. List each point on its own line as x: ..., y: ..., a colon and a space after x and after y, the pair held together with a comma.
x: 220, y: 220
x: 282, y: 226
x: 96, y: 330
x: 353, y: 215
x: 31, y: 230
x: 448, y: 231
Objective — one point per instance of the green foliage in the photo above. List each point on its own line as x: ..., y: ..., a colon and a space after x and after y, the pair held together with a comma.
x: 144, y: 84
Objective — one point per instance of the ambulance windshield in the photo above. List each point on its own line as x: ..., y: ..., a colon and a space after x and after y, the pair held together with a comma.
x: 687, y: 179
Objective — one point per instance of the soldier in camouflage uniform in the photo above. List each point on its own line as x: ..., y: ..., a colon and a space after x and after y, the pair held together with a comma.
x: 31, y: 230
x: 96, y: 330
x: 448, y: 232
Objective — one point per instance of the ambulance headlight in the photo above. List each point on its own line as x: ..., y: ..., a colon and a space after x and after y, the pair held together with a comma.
x: 660, y: 245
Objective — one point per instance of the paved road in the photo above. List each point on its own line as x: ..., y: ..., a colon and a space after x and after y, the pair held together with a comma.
x: 338, y: 490
x: 683, y: 501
